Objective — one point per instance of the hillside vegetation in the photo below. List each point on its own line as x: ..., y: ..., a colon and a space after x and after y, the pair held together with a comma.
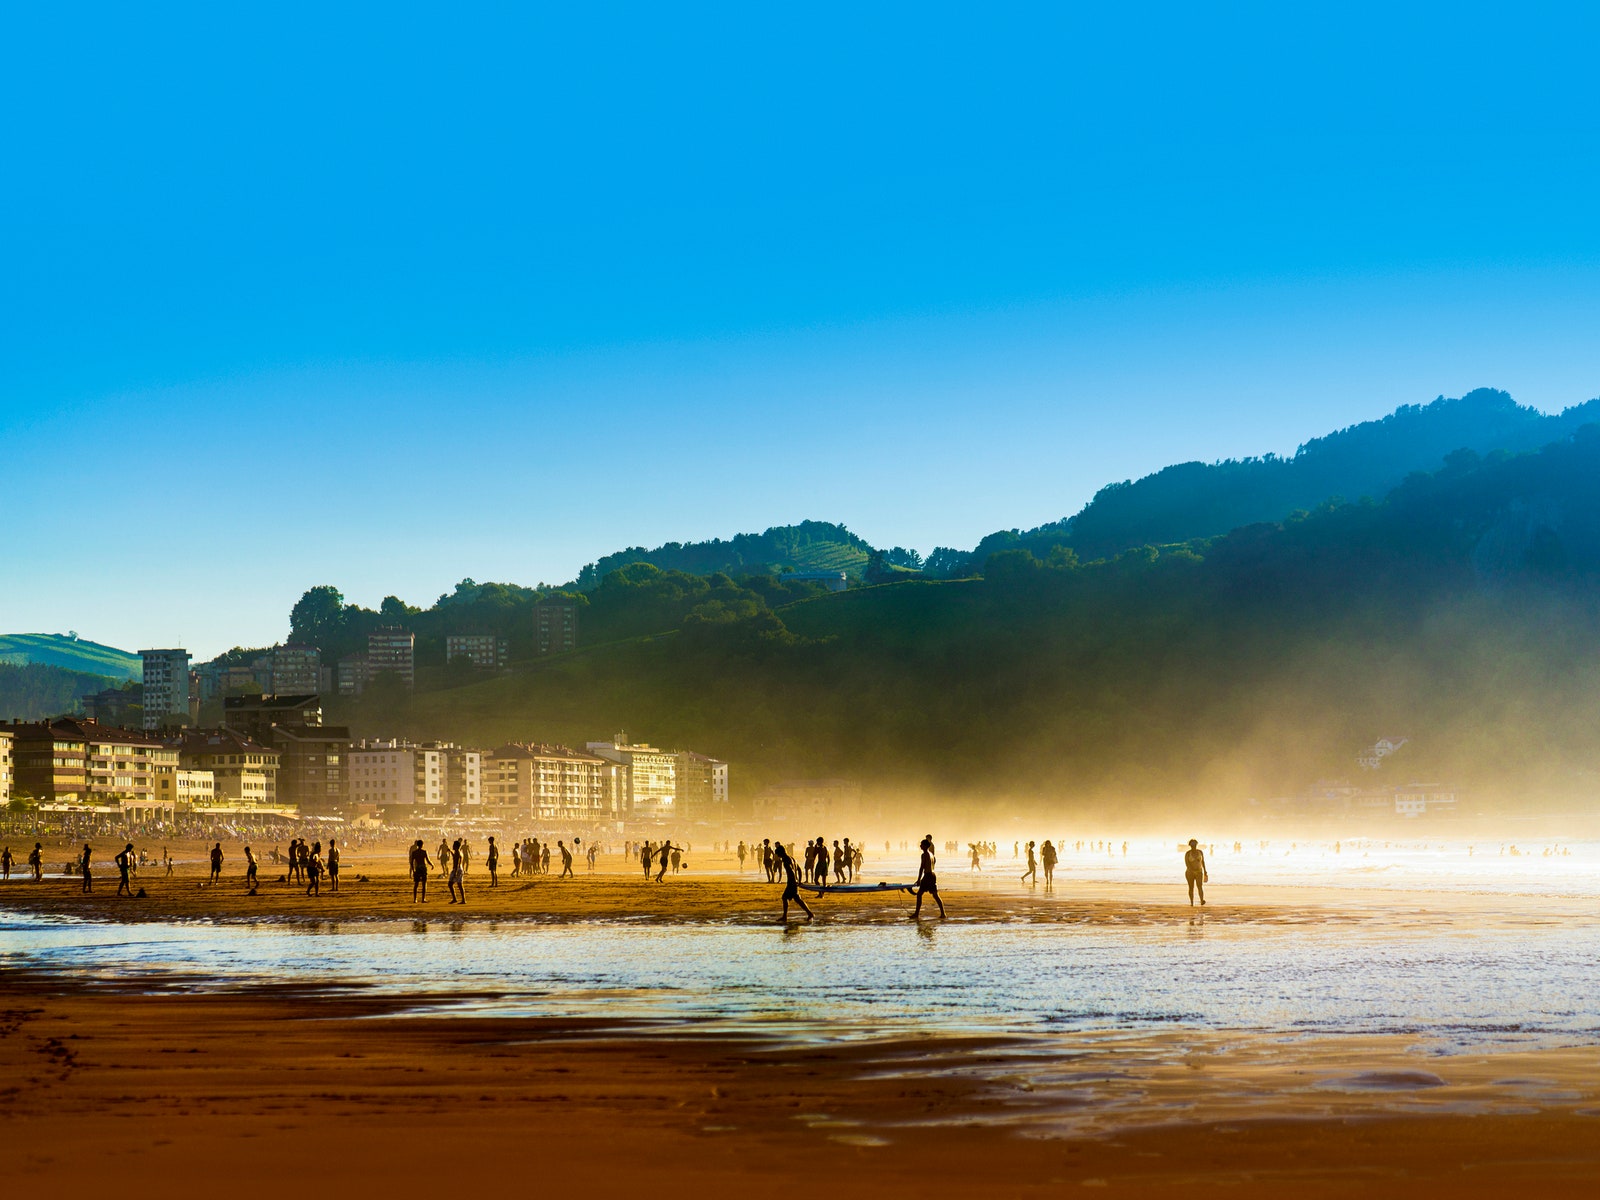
x: 69, y: 653
x: 1461, y: 610
x: 808, y: 546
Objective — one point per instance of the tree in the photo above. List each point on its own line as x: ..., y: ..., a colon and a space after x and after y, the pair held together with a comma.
x: 318, y: 617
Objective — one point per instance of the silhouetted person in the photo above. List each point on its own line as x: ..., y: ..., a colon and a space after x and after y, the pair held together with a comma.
x: 333, y: 865
x: 664, y: 855
x: 83, y: 866
x: 1033, y: 865
x: 249, y: 868
x: 742, y: 853
x: 492, y: 861
x: 1047, y: 856
x: 124, y: 861
x: 36, y: 861
x: 766, y: 858
x: 444, y: 858
x: 314, y: 870
x: 216, y: 862
x: 927, y: 883
x: 1194, y: 870
x: 791, y: 883
x: 457, y: 882
x: 421, y: 864
x: 566, y: 860
x: 5, y: 863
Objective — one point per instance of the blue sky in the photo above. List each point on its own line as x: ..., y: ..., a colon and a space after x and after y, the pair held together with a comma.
x: 389, y: 296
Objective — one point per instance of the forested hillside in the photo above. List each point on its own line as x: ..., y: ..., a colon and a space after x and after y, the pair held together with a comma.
x: 1463, y: 610
x: 808, y: 546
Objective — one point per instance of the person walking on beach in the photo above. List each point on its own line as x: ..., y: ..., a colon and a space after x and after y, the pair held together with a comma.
x: 566, y: 860
x: 492, y: 861
x: 1194, y: 871
x: 249, y: 868
x: 216, y: 862
x: 1033, y: 866
x: 421, y: 864
x: 36, y: 861
x: 791, y: 884
x: 516, y: 860
x: 927, y: 883
x: 1047, y: 854
x: 457, y: 883
x: 333, y: 865
x: 83, y: 867
x: 124, y: 861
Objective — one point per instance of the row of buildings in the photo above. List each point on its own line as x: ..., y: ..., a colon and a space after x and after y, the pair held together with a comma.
x: 273, y: 754
x: 173, y: 691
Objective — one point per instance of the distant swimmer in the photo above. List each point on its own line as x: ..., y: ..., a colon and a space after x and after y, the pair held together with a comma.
x: 333, y: 864
x: 421, y: 864
x: 927, y: 883
x: 83, y: 867
x: 216, y: 862
x: 492, y: 861
x: 457, y: 883
x: 124, y: 861
x: 1033, y: 865
x: 36, y: 861
x: 1194, y: 870
x: 1047, y: 856
x: 791, y: 884
x: 566, y: 860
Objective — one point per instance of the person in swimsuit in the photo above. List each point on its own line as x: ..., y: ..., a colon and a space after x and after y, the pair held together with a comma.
x: 664, y: 856
x: 421, y: 864
x: 249, y: 867
x: 1033, y: 866
x: 927, y: 883
x: 767, y: 861
x: 457, y: 884
x: 1194, y: 871
x: 791, y: 883
x: 742, y: 853
x: 5, y: 862
x: 333, y: 864
x: 314, y: 870
x: 493, y: 863
x: 36, y: 861
x: 1047, y: 855
x: 216, y: 862
x: 566, y: 860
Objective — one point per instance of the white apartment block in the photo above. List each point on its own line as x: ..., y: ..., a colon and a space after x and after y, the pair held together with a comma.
x: 186, y: 790
x: 166, y: 686
x: 652, y: 776
x: 403, y: 774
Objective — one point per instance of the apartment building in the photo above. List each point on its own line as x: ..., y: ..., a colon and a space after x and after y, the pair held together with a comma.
x: 244, y: 771
x: 312, y: 766
x: 396, y: 774
x: 5, y: 768
x: 702, y: 787
x: 71, y: 758
x: 256, y: 716
x: 166, y: 687
x: 538, y: 782
x: 482, y: 650
x: 350, y: 675
x: 652, y: 777
x: 391, y: 649
x: 296, y: 669
x: 184, y: 791
x: 555, y: 628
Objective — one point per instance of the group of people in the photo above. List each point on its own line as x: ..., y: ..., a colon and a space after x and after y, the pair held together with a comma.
x: 529, y: 857
x: 307, y: 864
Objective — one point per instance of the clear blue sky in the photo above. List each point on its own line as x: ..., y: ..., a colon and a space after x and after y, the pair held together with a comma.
x: 392, y: 297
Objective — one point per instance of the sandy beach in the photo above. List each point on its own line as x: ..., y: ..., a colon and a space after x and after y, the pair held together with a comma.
x: 184, y: 1080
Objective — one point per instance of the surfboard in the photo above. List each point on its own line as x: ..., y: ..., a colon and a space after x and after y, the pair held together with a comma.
x: 858, y: 887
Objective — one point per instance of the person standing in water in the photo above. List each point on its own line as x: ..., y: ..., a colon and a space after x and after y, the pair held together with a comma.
x: 1194, y: 871
x: 1047, y: 855
x: 421, y: 864
x: 1033, y: 866
x: 492, y: 861
x: 457, y: 883
x: 791, y: 884
x: 927, y: 882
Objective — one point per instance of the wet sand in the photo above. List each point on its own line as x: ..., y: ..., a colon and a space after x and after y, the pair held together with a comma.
x: 150, y: 1091
x: 174, y: 1085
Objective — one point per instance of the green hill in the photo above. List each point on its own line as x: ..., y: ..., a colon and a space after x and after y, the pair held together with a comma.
x: 1192, y: 500
x: 69, y: 653
x: 1462, y: 609
x: 808, y: 546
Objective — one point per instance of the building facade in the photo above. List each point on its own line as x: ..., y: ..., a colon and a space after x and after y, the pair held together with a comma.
x: 555, y: 628
x: 702, y: 787
x: 184, y: 791
x: 244, y: 771
x: 810, y: 804
x: 391, y: 649
x: 166, y: 687
x: 651, y: 780
x: 75, y: 759
x: 296, y: 669
x: 312, y: 767
x: 5, y: 768
x: 482, y: 650
x: 350, y: 675
x: 549, y: 784
x: 256, y: 716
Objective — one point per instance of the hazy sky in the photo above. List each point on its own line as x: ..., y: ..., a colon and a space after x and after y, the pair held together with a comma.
x: 392, y: 298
